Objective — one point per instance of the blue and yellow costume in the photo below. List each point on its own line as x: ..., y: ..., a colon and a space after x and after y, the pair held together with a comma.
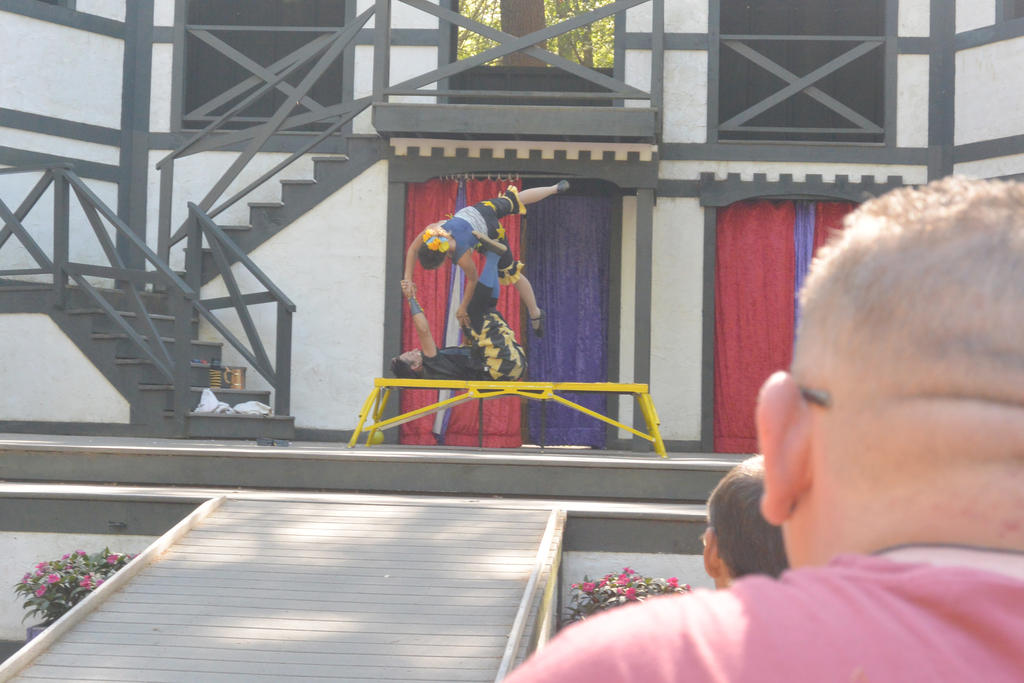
x: 484, y: 217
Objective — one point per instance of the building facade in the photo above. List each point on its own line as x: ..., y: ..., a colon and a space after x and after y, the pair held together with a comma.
x: 711, y: 105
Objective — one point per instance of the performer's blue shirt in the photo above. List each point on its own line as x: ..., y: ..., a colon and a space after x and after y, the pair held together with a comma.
x: 461, y: 231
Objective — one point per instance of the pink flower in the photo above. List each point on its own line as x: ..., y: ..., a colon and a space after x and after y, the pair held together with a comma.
x: 111, y: 559
x: 631, y: 594
x: 604, y: 582
x: 25, y: 578
x: 674, y: 582
x: 41, y: 566
x: 627, y: 570
x: 38, y: 573
x: 100, y: 582
x: 86, y: 582
x: 575, y: 585
x: 65, y: 556
x: 623, y: 579
x: 80, y: 552
x: 588, y: 587
x: 52, y: 578
x: 41, y: 591
x: 620, y: 591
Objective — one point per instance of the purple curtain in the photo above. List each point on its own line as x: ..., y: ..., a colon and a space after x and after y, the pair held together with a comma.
x: 567, y: 262
x: 803, y: 243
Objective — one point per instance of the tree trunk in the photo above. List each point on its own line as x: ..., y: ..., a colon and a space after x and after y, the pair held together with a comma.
x: 519, y: 18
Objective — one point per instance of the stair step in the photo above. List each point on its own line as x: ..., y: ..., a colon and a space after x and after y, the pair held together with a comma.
x: 299, y: 182
x: 265, y: 205
x: 218, y: 426
x: 235, y: 228
x: 101, y: 336
x: 328, y: 159
x: 102, y: 324
x: 145, y: 373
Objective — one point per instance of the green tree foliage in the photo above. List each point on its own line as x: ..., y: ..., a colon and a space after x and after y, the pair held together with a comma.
x: 592, y: 45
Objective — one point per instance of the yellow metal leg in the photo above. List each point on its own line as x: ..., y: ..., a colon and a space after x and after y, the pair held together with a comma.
x: 651, y: 417
x: 362, y: 416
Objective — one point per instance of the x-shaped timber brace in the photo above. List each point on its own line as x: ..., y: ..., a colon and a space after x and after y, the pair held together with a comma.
x: 482, y: 390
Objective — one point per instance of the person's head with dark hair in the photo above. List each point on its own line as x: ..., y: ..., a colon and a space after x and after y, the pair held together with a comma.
x: 738, y: 540
x: 437, y: 245
x: 409, y: 365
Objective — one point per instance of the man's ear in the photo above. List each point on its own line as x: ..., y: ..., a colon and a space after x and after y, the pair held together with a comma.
x: 713, y: 564
x: 784, y: 434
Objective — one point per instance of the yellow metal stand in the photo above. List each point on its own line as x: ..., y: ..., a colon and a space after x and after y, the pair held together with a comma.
x: 539, y: 391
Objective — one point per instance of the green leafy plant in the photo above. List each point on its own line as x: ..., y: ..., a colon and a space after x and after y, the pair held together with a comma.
x: 615, y: 589
x: 54, y: 587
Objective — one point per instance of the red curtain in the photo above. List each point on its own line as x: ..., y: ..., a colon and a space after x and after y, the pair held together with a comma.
x: 425, y: 203
x: 754, y: 279
x: 828, y: 219
x: 754, y: 274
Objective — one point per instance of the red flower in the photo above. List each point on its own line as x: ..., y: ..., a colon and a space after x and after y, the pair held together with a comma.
x: 588, y: 587
x: 52, y: 578
x: 674, y: 582
x: 631, y: 594
x: 623, y: 579
x: 627, y: 570
x: 111, y: 559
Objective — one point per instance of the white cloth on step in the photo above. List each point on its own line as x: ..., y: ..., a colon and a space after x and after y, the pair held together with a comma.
x: 253, y: 408
x: 208, y: 403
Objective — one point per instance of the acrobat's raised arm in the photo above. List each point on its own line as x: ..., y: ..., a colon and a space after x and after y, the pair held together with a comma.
x: 422, y: 327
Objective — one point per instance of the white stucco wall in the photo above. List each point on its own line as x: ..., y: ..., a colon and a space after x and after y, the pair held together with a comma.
x: 972, y: 14
x: 914, y: 18
x: 81, y: 71
x: 409, y: 62
x: 111, y: 9
x: 331, y: 261
x: 681, y: 16
x: 627, y: 308
x: 989, y: 91
x: 160, y: 88
x: 21, y: 551
x: 686, y: 96
x: 362, y: 85
x: 55, y: 382
x: 84, y: 247
x: 163, y: 12
x: 691, y: 170
x: 912, y: 100
x: 676, y: 314
x: 638, y: 74
x: 992, y: 168
x: 59, y: 146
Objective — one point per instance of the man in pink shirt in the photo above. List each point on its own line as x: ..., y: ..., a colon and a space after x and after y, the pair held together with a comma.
x: 894, y: 459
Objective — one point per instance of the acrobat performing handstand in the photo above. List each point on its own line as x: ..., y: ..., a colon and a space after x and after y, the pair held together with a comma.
x: 455, y: 238
x: 491, y: 352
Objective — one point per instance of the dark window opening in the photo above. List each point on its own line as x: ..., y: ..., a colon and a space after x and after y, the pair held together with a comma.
x: 265, y: 32
x: 768, y: 44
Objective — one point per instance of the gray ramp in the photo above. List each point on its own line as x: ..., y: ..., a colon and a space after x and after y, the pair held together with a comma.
x: 276, y: 590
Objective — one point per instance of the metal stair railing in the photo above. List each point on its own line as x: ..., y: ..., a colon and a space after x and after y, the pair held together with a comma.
x: 225, y: 252
x: 321, y: 52
x: 116, y: 240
